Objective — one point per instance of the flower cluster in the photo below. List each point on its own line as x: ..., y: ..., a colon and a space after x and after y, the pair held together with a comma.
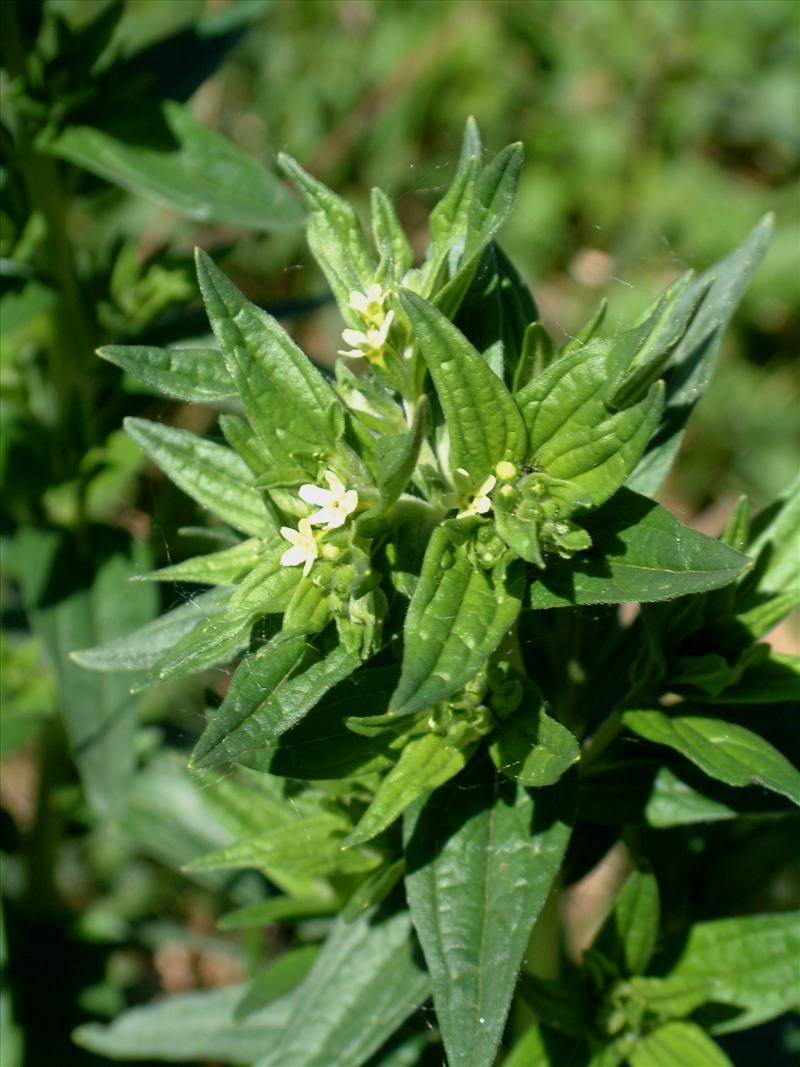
x: 370, y: 342
x: 335, y: 504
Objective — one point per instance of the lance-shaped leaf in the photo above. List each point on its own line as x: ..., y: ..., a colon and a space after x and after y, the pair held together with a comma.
x: 322, y: 747
x: 396, y: 455
x: 212, y: 475
x: 483, y: 421
x: 278, y: 978
x: 270, y: 692
x: 217, y: 568
x: 362, y: 986
x: 335, y: 238
x: 187, y: 1028
x: 200, y: 174
x: 143, y: 648
x: 390, y: 240
x: 195, y: 374
x: 497, y: 312
x: 456, y: 619
x: 724, y: 750
x: 532, y: 748
x: 425, y: 763
x: 481, y: 861
x: 773, y: 545
x: 677, y: 1044
x: 629, y: 935
x: 640, y: 552
x: 572, y: 430
x: 749, y: 962
x: 290, y: 405
x: 693, y: 358
x: 307, y: 847
x: 216, y: 641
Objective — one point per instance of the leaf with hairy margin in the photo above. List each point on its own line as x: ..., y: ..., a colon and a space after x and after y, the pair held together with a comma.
x: 640, y: 553
x: 677, y: 1044
x: 335, y: 238
x: 271, y: 690
x: 290, y: 405
x: 724, y: 750
x: 212, y: 475
x: 750, y: 962
x: 481, y: 858
x: 483, y: 422
x: 195, y: 374
x: 458, y: 615
x: 692, y: 361
x: 363, y: 985
x: 143, y: 648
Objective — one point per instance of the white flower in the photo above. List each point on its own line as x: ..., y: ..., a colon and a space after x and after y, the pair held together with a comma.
x: 369, y: 305
x: 478, y: 502
x: 367, y: 345
x: 334, y: 504
x: 304, y: 546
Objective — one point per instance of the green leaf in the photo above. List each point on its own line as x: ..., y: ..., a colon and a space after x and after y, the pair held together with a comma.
x: 483, y: 421
x: 481, y: 858
x: 457, y: 617
x: 275, y: 910
x: 363, y: 985
x: 195, y: 374
x: 533, y: 749
x: 212, y: 475
x: 390, y: 240
x: 497, y: 311
x: 677, y: 1044
x: 143, y: 648
x: 692, y: 361
x: 281, y: 976
x: 634, y: 922
x: 69, y: 611
x: 640, y: 552
x: 673, y: 997
x: 271, y: 690
x: 290, y: 405
x: 529, y: 1051
x: 749, y: 962
x: 322, y: 747
x: 673, y: 802
x: 573, y: 431
x: 723, y: 750
x: 425, y: 763
x: 200, y: 174
x: 308, y: 847
x: 218, y: 640
x: 773, y: 545
x: 188, y: 1027
x: 217, y: 568
x: 397, y: 454
x: 335, y: 238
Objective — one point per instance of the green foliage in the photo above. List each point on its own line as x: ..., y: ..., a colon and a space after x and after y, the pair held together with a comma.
x: 391, y: 596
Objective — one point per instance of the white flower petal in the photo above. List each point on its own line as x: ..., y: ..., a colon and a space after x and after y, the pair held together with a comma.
x: 487, y: 486
x: 349, y: 501
x: 290, y: 534
x: 336, y: 519
x: 336, y: 484
x: 351, y: 353
x: 480, y: 505
x: 315, y: 494
x: 355, y: 338
x: 293, y: 557
x: 358, y: 302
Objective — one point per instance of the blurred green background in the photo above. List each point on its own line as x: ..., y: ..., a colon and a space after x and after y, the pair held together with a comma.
x: 656, y: 133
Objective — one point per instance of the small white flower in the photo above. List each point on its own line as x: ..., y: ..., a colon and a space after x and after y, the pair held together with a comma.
x: 367, y: 345
x: 369, y: 305
x: 334, y: 504
x: 304, y: 546
x: 478, y: 502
